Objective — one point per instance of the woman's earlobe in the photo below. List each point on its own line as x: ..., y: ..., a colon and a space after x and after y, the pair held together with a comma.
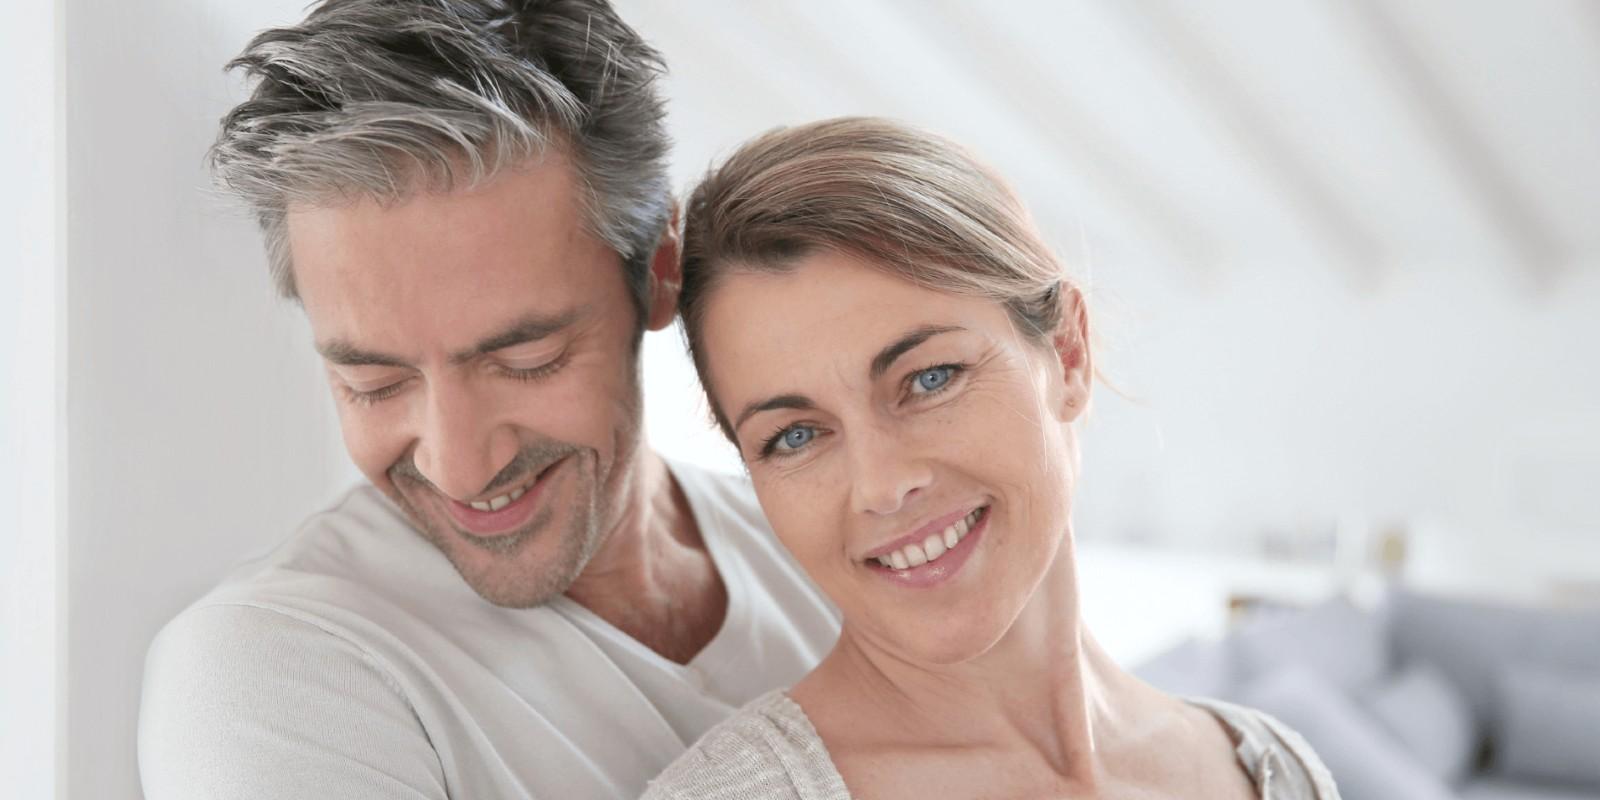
x: 1076, y: 396
x: 1075, y: 376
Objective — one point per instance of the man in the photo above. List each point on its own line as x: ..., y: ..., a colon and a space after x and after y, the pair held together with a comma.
x: 468, y: 198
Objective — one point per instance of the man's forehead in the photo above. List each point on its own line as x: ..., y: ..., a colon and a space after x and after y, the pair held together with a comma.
x: 521, y: 212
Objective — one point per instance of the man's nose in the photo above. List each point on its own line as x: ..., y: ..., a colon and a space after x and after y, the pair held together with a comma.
x: 462, y: 445
x: 885, y: 474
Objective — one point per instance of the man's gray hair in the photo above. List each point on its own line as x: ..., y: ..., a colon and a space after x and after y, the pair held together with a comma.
x: 384, y: 98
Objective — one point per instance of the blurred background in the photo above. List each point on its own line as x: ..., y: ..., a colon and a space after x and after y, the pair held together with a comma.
x: 1342, y: 258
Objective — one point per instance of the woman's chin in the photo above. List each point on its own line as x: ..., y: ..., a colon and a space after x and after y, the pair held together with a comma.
x: 944, y: 641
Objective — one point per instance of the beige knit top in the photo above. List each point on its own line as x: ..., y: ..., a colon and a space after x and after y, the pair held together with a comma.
x: 769, y: 750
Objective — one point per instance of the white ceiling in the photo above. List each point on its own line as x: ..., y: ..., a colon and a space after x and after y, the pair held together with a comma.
x: 1366, y: 137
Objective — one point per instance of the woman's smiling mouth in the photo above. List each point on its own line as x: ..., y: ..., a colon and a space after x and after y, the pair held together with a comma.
x: 936, y: 556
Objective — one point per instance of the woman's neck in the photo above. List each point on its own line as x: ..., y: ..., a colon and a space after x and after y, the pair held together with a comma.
x: 1045, y: 686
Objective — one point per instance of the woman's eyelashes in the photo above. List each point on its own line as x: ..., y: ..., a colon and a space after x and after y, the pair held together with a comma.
x: 919, y: 385
x: 788, y: 439
x: 930, y: 381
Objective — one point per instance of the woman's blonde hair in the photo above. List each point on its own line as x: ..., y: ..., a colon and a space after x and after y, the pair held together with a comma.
x: 913, y: 203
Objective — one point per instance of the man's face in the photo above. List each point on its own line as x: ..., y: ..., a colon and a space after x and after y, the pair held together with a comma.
x: 480, y: 347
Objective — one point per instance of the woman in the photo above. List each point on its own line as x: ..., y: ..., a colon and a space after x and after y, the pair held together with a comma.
x: 900, y: 361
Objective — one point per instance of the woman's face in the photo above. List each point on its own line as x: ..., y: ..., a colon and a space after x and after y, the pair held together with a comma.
x: 910, y: 447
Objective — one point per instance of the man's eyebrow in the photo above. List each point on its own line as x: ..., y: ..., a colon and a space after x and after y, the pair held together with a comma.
x: 527, y: 329
x: 796, y: 401
x: 345, y: 354
x: 530, y: 328
x: 886, y: 357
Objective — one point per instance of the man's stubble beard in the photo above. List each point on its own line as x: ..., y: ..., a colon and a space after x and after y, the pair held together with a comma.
x: 585, y: 532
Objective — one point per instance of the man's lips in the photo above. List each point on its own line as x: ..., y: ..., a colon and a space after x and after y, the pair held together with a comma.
x: 508, y: 517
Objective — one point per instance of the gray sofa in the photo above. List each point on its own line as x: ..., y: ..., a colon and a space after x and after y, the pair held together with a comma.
x: 1420, y: 697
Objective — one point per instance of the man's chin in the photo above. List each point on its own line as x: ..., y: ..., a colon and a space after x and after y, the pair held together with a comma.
x: 505, y: 569
x: 515, y: 590
x: 520, y: 577
x: 519, y: 569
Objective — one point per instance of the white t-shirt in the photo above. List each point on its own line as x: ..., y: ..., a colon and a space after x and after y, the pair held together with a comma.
x: 353, y: 662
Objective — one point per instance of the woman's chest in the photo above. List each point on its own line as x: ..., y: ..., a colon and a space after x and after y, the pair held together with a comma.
x: 955, y: 774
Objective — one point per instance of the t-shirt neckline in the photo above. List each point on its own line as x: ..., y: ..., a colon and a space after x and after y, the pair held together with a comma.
x: 713, y: 526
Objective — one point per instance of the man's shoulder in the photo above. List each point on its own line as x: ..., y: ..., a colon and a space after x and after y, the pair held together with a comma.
x: 725, y: 488
x: 342, y: 586
x: 210, y: 643
x: 232, y: 692
x: 723, y: 502
x: 732, y: 522
x: 728, y: 513
x: 358, y: 548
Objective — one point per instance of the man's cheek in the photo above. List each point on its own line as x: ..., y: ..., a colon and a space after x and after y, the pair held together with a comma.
x: 372, y: 451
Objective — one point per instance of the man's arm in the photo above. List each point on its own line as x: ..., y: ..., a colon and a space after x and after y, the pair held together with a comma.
x: 245, y: 702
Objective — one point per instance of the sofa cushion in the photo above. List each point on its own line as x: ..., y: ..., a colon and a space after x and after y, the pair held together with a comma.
x: 1497, y: 789
x: 1548, y: 726
x: 1345, y: 645
x: 1195, y: 668
x: 1365, y: 760
x: 1472, y: 642
x: 1429, y: 715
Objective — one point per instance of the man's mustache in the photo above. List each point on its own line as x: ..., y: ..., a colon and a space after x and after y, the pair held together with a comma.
x: 530, y: 460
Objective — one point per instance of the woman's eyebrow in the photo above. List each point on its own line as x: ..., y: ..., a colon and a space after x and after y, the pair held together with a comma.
x: 795, y: 401
x: 886, y: 357
x: 880, y: 364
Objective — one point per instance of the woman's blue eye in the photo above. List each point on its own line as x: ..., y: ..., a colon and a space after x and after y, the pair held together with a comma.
x: 795, y: 438
x: 932, y: 380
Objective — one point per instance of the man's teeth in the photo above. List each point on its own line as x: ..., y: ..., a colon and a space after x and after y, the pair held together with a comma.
x: 931, y: 548
x: 497, y: 503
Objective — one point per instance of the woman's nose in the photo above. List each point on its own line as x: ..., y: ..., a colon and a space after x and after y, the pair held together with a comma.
x: 885, y: 473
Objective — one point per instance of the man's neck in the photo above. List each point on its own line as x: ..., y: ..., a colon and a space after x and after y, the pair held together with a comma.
x: 653, y: 578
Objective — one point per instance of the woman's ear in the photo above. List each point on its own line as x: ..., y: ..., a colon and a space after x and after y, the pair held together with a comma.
x: 666, y: 277
x: 1071, y: 344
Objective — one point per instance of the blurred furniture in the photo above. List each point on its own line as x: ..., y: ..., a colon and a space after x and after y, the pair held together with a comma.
x: 1418, y: 697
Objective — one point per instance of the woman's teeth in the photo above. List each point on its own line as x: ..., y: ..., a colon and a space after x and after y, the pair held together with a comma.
x: 931, y: 548
x: 497, y: 503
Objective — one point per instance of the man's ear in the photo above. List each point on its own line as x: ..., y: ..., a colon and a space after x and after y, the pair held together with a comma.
x: 666, y: 277
x: 1071, y: 344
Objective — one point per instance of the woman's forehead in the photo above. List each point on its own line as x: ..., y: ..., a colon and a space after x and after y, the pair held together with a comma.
x: 829, y: 313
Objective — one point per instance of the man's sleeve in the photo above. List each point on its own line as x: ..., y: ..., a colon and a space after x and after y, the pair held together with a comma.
x: 249, y: 703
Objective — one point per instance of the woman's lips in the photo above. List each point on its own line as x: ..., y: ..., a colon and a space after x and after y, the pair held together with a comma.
x: 510, y: 516
x: 911, y: 565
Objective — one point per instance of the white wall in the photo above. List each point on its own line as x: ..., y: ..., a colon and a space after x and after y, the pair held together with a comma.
x: 31, y: 425
x: 199, y: 425
x: 1453, y: 400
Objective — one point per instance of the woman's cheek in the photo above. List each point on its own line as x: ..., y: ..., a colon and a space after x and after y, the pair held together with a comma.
x: 801, y: 515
